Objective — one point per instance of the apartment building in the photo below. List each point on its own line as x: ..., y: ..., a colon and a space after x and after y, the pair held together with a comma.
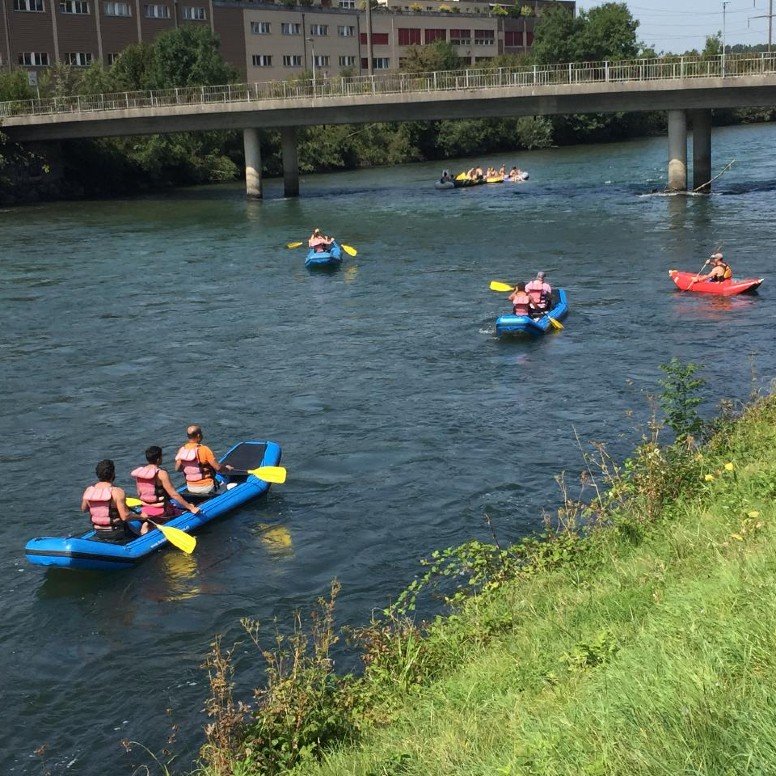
x: 264, y: 41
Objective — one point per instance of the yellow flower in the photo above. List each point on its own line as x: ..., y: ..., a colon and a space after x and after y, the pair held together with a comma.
x: 753, y: 513
x: 729, y: 467
x: 709, y: 477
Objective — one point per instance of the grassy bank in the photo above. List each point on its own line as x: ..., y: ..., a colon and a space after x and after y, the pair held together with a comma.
x: 637, y: 638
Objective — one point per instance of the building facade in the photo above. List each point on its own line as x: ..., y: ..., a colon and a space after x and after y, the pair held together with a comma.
x: 264, y: 41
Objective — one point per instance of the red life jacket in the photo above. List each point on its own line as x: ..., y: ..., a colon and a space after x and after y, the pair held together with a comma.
x: 150, y: 490
x: 193, y: 469
x: 102, y: 507
x: 521, y: 304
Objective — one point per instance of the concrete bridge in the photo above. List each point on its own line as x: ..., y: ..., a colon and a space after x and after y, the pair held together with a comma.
x: 688, y: 88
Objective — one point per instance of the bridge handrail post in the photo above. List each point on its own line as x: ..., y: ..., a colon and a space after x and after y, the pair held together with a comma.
x: 534, y: 75
x: 435, y: 81
x: 202, y: 94
x: 681, y: 67
x: 374, y: 89
x: 569, y: 73
x: 606, y: 70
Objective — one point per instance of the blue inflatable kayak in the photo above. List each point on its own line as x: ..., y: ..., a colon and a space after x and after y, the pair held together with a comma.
x: 524, y: 324
x: 330, y: 258
x: 237, y: 488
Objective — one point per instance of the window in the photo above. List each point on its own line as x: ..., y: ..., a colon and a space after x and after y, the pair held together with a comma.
x: 378, y: 38
x: 461, y: 37
x: 290, y: 28
x: 28, y: 5
x: 78, y: 59
x: 347, y: 3
x: 261, y: 28
x: 262, y: 60
x: 321, y: 60
x: 513, y: 38
x: 484, y: 37
x: 117, y: 9
x: 347, y: 61
x: 194, y: 13
x: 74, y: 6
x: 34, y: 59
x: 409, y: 36
x: 381, y: 63
x: 157, y: 12
x: 112, y: 58
x: 431, y: 35
x: 292, y: 60
x: 528, y: 38
x: 346, y: 31
x: 319, y: 29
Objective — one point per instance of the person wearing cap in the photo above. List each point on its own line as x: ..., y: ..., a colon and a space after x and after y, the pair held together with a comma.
x: 540, y: 292
x: 719, y: 269
x: 319, y: 242
x: 198, y: 464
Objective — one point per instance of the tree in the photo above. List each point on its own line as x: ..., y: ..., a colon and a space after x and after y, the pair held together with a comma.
x: 188, y: 56
x: 606, y: 32
x: 132, y: 69
x: 554, y: 36
x: 439, y: 55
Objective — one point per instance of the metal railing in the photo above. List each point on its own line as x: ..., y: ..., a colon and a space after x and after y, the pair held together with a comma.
x: 641, y: 70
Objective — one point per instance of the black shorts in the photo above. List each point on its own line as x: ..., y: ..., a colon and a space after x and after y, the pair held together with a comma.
x: 120, y: 534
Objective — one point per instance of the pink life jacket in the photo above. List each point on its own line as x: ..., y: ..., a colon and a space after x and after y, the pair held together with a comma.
x: 539, y: 292
x: 150, y: 490
x: 102, y: 508
x: 318, y: 244
x: 521, y: 304
x: 192, y: 468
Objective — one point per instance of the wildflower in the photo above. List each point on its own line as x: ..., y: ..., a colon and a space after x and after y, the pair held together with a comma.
x: 709, y: 478
x: 729, y: 466
x: 753, y: 513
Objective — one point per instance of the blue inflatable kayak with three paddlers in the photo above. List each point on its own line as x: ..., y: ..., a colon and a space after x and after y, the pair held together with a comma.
x: 330, y: 258
x: 237, y: 487
x: 524, y: 324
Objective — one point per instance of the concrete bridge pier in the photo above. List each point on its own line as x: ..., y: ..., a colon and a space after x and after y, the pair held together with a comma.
x: 677, y: 150
x: 701, y: 151
x: 290, y: 162
x: 252, y: 163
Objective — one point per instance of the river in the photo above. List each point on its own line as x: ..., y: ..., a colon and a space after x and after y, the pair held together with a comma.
x: 403, y: 419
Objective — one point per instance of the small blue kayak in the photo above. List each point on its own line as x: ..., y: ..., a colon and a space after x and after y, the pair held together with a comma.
x: 524, y: 324
x: 330, y: 258
x: 237, y: 488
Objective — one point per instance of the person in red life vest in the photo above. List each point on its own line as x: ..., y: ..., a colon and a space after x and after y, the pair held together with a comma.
x: 319, y: 242
x: 521, y: 301
x: 540, y: 292
x: 155, y: 489
x: 198, y: 464
x: 719, y: 269
x: 107, y: 506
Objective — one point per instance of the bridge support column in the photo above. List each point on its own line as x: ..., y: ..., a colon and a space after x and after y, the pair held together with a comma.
x: 677, y: 150
x: 701, y: 151
x: 290, y: 162
x: 252, y: 163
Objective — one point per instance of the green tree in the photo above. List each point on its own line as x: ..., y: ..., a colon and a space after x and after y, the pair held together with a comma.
x: 713, y: 47
x: 440, y: 55
x: 132, y: 69
x: 188, y: 56
x: 606, y: 32
x: 555, y: 36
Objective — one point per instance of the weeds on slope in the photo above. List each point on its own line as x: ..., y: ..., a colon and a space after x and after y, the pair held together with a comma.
x: 305, y: 707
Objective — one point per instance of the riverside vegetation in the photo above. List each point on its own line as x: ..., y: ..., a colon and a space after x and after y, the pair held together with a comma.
x: 190, y: 56
x: 637, y: 635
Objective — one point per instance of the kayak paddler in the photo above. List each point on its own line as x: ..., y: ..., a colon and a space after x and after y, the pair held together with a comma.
x: 198, y: 464
x: 319, y: 242
x: 521, y: 301
x: 719, y: 269
x: 107, y: 506
x: 540, y: 292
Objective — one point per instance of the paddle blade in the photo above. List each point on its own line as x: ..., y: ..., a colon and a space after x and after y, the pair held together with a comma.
x: 276, y: 474
x: 557, y: 325
x: 134, y: 502
x: 350, y: 250
x: 294, y: 245
x: 461, y: 176
x: 180, y: 539
x: 496, y: 286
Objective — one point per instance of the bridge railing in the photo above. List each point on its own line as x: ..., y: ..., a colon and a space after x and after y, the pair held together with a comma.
x: 528, y: 76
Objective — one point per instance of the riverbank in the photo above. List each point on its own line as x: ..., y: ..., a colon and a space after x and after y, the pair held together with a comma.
x: 638, y: 638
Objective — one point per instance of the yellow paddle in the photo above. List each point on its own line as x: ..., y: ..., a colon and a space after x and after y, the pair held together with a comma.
x: 557, y: 325
x: 495, y: 285
x: 270, y: 473
x: 461, y: 176
x: 174, y: 536
x: 349, y: 249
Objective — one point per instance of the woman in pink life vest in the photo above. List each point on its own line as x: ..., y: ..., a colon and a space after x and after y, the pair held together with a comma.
x: 155, y: 489
x: 319, y: 242
x: 521, y: 301
x: 107, y: 506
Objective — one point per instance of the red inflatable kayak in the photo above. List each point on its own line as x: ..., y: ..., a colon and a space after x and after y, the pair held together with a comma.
x: 689, y: 281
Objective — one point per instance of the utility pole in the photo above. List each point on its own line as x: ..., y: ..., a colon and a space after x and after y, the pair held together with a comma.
x: 725, y: 4
x: 769, y: 17
x: 369, y: 63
